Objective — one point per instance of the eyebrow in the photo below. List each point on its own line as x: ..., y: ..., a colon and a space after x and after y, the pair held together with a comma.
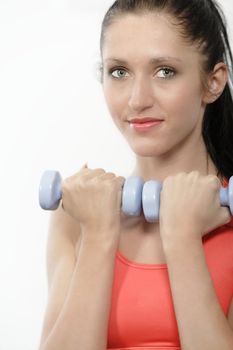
x: 154, y: 60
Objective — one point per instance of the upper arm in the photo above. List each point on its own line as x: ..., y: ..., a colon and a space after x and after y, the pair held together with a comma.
x: 230, y: 314
x: 63, y: 240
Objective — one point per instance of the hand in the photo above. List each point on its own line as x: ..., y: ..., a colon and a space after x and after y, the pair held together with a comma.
x: 93, y: 198
x: 190, y: 204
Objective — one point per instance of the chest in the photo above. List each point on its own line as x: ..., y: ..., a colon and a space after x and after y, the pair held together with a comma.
x: 142, y: 245
x: 142, y: 310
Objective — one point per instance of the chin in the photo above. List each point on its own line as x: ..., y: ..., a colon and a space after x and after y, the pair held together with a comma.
x: 146, y: 151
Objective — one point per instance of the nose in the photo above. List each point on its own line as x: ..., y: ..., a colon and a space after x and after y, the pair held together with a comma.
x: 141, y: 94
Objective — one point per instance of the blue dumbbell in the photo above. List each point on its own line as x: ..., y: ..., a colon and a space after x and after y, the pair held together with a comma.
x: 50, y: 193
x: 151, y: 198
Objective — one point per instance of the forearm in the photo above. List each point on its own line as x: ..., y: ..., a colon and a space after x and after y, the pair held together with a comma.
x: 201, y: 322
x: 83, y: 321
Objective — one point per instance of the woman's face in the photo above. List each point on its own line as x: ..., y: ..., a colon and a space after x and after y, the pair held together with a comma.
x: 150, y: 71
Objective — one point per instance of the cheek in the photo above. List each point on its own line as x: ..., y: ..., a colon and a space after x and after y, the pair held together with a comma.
x: 183, y: 105
x: 114, y: 103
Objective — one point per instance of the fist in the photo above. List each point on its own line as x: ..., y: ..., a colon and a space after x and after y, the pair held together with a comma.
x: 93, y: 197
x: 190, y: 204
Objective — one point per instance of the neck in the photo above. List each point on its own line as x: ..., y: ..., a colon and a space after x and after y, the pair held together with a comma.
x: 184, y: 160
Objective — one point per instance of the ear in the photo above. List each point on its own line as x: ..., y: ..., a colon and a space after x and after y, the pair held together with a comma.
x: 216, y: 82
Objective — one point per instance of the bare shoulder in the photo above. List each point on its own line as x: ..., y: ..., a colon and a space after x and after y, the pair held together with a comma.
x: 63, y: 239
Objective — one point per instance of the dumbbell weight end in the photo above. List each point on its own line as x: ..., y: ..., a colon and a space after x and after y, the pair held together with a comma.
x: 151, y: 200
x: 50, y: 190
x: 132, y: 196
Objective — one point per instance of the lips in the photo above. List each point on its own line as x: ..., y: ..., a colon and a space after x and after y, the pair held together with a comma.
x: 144, y: 125
x: 144, y: 120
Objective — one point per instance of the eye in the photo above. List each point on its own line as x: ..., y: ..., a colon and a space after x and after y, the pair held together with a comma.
x: 118, y: 73
x: 167, y: 72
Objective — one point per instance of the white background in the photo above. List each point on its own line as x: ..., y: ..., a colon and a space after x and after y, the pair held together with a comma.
x: 53, y: 116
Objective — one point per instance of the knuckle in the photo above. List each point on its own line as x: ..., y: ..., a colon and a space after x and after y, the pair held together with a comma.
x: 94, y: 172
x: 110, y: 174
x: 99, y: 170
x: 120, y: 179
x: 119, y: 182
x: 106, y: 178
x: 213, y: 181
x: 194, y: 174
x: 182, y: 173
x: 182, y: 176
x: 227, y: 216
x: 167, y: 180
x: 211, y: 177
x: 92, y: 181
x: 226, y: 219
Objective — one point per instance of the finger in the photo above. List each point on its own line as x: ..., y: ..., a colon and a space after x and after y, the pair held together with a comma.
x: 92, y: 173
x: 213, y: 181
x: 121, y: 180
x: 107, y: 175
x: 226, y: 214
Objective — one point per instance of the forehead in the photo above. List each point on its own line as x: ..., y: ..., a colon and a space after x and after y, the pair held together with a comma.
x: 137, y: 35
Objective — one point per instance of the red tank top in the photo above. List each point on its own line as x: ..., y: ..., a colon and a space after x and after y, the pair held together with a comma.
x: 142, y: 314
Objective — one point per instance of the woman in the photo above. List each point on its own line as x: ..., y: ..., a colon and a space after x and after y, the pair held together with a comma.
x: 121, y: 282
